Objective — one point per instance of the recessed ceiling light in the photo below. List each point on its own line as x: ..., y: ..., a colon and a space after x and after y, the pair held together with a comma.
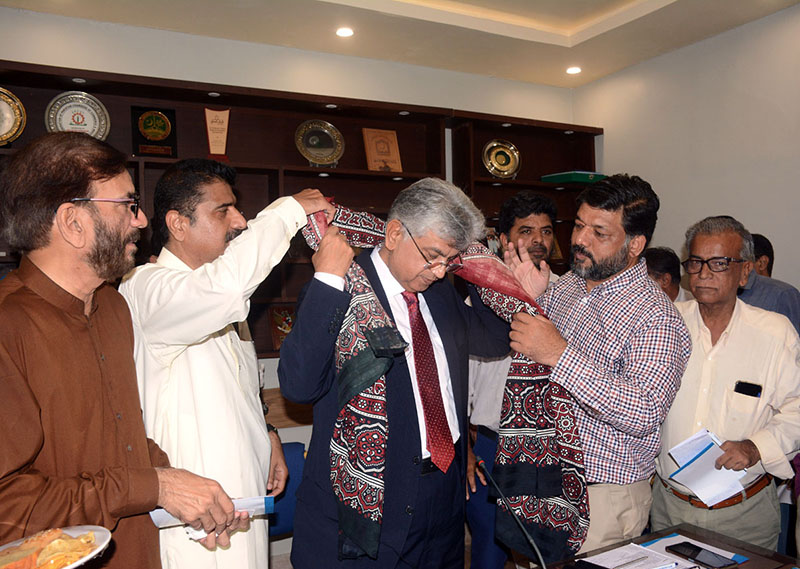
x: 397, y: 179
x: 506, y: 124
x: 323, y: 174
x: 497, y: 184
x: 404, y: 113
x: 344, y: 32
x: 78, y: 80
x: 573, y: 70
x: 331, y: 106
x: 569, y: 132
x: 213, y: 94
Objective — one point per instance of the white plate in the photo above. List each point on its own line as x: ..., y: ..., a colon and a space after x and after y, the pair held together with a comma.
x: 102, y: 537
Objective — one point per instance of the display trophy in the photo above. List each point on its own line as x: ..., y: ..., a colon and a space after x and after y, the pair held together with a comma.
x: 154, y: 132
x: 217, y: 130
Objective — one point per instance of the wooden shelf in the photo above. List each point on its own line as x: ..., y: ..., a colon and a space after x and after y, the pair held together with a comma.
x: 262, y: 150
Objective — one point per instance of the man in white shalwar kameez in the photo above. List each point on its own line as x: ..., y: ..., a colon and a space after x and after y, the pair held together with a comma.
x: 198, y: 380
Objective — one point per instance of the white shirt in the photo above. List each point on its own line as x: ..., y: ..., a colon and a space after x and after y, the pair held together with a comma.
x: 198, y: 381
x: 399, y: 309
x: 757, y: 347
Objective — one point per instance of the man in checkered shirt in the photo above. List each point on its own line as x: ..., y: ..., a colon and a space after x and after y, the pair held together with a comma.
x: 616, y: 342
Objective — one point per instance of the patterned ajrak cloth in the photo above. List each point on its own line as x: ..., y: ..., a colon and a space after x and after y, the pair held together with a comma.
x: 361, y: 431
x: 539, y: 462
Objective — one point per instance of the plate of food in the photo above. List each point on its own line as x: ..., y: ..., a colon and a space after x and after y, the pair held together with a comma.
x: 62, y: 548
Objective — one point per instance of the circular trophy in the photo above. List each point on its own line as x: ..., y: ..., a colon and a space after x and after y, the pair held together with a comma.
x: 501, y: 158
x: 319, y: 142
x: 12, y: 117
x: 76, y: 111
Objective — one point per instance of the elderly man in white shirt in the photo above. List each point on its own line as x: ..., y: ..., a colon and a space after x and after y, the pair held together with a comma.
x: 742, y: 383
x: 198, y: 380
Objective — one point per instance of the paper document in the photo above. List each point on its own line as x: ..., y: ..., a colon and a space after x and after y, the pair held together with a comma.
x: 255, y: 506
x: 696, y: 457
x: 634, y: 556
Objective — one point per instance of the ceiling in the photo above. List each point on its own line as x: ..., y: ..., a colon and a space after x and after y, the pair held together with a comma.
x: 523, y: 40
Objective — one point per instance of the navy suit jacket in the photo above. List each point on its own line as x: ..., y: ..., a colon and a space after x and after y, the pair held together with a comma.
x: 307, y: 375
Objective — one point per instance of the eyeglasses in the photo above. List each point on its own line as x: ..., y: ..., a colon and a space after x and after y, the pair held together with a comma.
x: 450, y: 265
x: 132, y: 202
x: 715, y: 264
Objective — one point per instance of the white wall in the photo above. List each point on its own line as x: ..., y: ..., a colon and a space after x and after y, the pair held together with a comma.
x: 67, y: 42
x: 715, y: 128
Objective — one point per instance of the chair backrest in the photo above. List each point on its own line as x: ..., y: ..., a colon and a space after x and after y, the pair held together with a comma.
x: 282, y: 520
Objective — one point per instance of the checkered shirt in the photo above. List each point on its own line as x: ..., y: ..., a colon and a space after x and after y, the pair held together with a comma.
x: 627, y: 349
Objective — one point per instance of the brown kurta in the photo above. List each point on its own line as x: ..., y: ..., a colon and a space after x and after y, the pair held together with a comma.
x: 73, y: 448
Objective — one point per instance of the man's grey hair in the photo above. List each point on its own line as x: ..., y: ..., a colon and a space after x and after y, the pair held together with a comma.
x: 722, y: 224
x: 434, y: 205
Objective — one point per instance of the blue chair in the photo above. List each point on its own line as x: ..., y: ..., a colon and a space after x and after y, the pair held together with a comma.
x: 282, y: 520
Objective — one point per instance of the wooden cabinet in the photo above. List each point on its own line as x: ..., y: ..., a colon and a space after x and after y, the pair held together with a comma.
x: 544, y: 147
x: 262, y: 149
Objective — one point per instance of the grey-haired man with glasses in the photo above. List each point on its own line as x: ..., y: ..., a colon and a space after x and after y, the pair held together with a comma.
x: 421, y: 461
x: 742, y: 383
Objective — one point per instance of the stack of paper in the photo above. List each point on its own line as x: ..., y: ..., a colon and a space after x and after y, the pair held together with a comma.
x: 634, y: 556
x: 696, y: 457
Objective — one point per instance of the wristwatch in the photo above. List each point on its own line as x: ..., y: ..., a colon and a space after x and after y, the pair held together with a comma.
x: 272, y: 429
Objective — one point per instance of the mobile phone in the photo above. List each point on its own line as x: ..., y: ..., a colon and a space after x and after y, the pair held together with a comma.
x: 701, y: 556
x: 747, y: 388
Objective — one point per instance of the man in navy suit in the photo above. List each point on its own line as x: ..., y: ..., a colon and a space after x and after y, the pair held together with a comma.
x: 422, y: 521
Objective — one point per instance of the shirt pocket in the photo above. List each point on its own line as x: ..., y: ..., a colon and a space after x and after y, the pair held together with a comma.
x: 741, y: 411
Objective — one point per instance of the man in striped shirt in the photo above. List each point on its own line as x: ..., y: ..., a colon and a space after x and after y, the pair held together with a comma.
x: 616, y: 342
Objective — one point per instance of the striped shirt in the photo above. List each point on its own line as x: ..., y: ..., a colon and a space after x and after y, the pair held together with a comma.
x: 627, y: 348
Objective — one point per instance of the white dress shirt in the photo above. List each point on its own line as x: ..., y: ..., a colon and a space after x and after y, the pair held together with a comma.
x: 198, y: 381
x: 399, y: 309
x: 759, y: 347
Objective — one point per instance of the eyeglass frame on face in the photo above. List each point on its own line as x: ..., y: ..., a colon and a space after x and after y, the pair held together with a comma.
x: 449, y: 265
x: 707, y: 262
x: 132, y: 202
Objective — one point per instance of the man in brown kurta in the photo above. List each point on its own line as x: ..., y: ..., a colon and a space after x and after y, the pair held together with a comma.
x: 74, y: 449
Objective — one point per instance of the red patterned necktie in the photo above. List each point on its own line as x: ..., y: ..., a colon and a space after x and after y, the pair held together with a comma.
x: 440, y: 440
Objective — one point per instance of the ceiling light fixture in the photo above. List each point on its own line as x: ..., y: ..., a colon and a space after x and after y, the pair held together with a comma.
x: 506, y: 124
x: 344, y: 32
x: 404, y: 113
x: 213, y: 94
x: 78, y: 80
x: 331, y: 106
x: 573, y: 70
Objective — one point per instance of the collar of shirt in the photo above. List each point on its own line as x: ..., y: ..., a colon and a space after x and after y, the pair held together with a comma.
x: 38, y: 281
x: 170, y: 260
x: 697, y: 327
x: 390, y: 285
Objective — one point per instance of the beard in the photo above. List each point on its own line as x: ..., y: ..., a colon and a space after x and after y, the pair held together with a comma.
x: 599, y: 271
x: 109, y: 256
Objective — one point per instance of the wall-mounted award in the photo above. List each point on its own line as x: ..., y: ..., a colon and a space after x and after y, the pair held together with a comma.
x: 76, y: 111
x: 217, y: 131
x: 154, y: 132
x: 383, y: 152
x: 12, y: 117
x: 501, y: 158
x: 319, y: 142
